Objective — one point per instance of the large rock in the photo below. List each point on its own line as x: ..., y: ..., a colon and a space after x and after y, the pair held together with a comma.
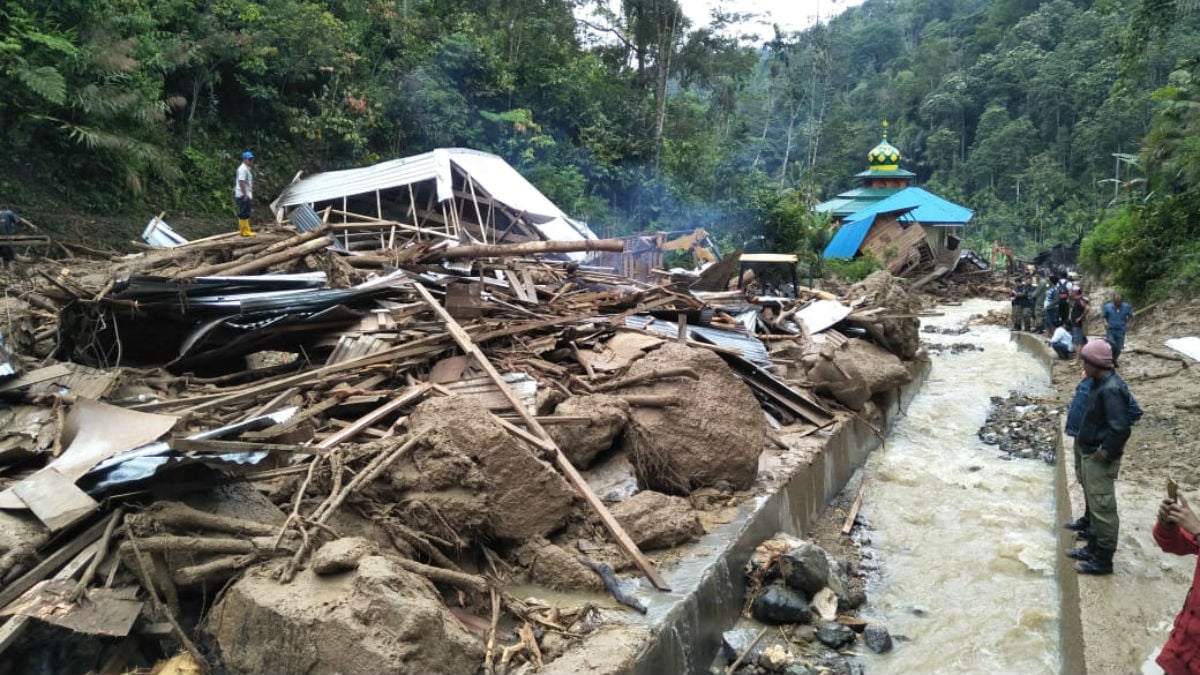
x: 805, y: 568
x: 881, y: 370
x: 467, y: 450
x: 654, y: 520
x: 714, y: 435
x: 878, y: 639
x: 833, y: 634
x: 342, y: 555
x: 779, y: 604
x: 380, y: 619
x: 837, y: 378
x: 554, y: 567
x: 735, y: 642
x: 901, y: 336
x: 582, y: 441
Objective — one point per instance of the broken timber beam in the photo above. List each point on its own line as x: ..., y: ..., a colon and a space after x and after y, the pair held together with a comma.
x: 525, y: 248
x: 610, y: 523
x: 282, y: 256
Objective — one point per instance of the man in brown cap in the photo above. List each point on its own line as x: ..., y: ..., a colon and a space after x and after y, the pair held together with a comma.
x: 1101, y: 439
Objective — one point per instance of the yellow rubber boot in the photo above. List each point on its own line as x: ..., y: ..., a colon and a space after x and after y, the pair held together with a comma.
x: 244, y: 228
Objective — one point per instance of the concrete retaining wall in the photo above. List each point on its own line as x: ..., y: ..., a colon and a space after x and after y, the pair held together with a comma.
x: 1071, y: 621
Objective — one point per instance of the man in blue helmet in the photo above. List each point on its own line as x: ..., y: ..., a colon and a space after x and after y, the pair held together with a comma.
x: 243, y: 193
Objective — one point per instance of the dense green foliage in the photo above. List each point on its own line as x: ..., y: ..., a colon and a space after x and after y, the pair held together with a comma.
x: 631, y: 118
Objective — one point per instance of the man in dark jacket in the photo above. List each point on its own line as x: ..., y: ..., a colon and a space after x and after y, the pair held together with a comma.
x: 1103, y: 432
x: 1082, y: 526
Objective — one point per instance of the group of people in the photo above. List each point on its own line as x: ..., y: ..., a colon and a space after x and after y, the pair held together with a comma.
x: 1058, y: 306
x: 1100, y: 418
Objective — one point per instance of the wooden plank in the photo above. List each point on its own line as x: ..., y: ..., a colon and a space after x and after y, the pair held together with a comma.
x: 622, y: 538
x: 39, y: 375
x: 55, y: 499
x: 51, y: 563
x: 858, y: 500
x: 11, y: 630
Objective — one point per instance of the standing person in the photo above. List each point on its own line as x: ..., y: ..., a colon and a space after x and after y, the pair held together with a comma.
x: 1050, y: 304
x: 1020, y: 302
x: 243, y: 193
x: 1103, y: 432
x: 1116, y: 318
x: 1037, y: 301
x: 1077, y: 309
x: 1176, y: 532
x: 1082, y: 526
x: 8, y: 227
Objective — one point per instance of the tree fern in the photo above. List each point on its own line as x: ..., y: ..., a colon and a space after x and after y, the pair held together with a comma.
x: 45, y: 81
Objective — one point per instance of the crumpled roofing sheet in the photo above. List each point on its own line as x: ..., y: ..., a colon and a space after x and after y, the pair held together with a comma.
x: 490, y: 172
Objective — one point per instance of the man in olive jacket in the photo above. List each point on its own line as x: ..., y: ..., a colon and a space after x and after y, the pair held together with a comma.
x: 1103, y: 432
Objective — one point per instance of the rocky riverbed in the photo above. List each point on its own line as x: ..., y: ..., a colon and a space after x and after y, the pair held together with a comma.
x: 1022, y: 428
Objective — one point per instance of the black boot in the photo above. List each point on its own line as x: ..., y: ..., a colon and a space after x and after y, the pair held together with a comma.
x: 1100, y: 563
x: 1080, y: 523
x: 1086, y: 535
x: 1084, y: 553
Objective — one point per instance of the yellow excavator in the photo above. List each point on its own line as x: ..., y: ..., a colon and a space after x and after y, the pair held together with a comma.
x: 695, y: 242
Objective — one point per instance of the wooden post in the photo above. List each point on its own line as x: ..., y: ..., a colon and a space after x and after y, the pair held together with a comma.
x: 683, y: 331
x: 610, y: 523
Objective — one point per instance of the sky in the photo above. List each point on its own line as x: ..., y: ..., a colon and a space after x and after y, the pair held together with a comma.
x: 791, y: 15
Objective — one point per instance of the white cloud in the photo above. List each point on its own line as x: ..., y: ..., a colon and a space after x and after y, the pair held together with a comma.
x: 790, y: 15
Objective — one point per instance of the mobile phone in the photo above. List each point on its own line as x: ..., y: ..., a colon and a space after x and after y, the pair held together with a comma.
x: 1172, y: 490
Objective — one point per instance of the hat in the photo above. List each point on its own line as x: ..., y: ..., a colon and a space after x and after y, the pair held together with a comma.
x: 247, y: 155
x: 1098, y: 353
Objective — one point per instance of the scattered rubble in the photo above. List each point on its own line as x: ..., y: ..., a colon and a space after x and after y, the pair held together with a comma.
x: 791, y: 583
x: 1021, y: 428
x: 367, y: 428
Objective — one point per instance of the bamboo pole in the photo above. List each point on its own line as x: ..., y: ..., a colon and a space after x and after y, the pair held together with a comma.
x: 610, y: 523
x: 282, y: 256
x: 526, y: 248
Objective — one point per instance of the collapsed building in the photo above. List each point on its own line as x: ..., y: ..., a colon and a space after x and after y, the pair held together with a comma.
x: 344, y: 441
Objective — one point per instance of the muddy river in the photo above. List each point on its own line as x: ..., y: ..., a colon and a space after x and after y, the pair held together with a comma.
x: 963, y: 541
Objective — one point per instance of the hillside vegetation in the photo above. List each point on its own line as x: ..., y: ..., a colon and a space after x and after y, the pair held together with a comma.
x: 1051, y: 119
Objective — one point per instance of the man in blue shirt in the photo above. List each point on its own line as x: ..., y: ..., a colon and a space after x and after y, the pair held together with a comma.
x: 1116, y: 316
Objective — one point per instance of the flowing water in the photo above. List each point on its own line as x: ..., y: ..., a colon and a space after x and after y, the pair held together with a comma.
x: 964, y: 540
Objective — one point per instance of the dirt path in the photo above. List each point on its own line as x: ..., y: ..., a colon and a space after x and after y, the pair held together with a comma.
x: 1128, y: 615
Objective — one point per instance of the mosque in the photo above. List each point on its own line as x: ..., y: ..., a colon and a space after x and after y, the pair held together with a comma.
x: 904, y: 227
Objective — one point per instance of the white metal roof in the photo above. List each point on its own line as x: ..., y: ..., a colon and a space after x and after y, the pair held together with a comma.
x: 488, y: 171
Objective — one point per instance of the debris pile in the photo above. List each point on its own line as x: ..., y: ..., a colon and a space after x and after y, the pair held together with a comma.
x: 801, y: 589
x: 367, y: 440
x: 1021, y: 428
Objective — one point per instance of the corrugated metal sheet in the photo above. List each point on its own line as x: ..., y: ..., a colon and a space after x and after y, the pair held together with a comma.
x: 749, y: 346
x: 158, y: 233
x: 848, y: 238
x: 927, y: 208
x: 490, y: 172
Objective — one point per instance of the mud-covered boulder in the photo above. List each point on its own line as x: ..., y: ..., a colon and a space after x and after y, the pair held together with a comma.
x: 838, y: 378
x: 881, y: 370
x: 654, y: 520
x: 899, y: 332
x: 341, y: 555
x: 474, y: 462
x: 582, y: 441
x: 555, y: 567
x: 379, y: 619
x: 713, y: 436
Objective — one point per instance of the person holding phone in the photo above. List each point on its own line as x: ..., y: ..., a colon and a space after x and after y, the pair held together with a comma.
x: 1176, y: 532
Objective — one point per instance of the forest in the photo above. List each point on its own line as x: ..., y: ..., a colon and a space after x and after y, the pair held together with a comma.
x: 1054, y: 120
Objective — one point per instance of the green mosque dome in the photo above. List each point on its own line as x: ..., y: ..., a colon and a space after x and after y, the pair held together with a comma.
x: 885, y: 156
